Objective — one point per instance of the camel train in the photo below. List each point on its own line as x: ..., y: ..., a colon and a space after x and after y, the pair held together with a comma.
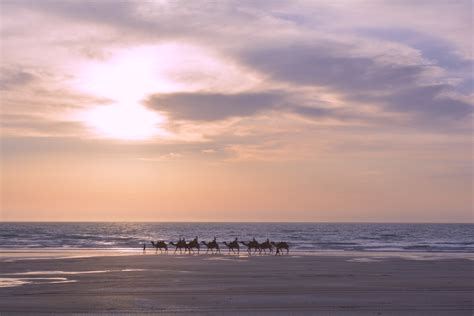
x: 253, y: 246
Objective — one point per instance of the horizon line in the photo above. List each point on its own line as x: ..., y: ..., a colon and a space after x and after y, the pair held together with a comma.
x: 230, y: 222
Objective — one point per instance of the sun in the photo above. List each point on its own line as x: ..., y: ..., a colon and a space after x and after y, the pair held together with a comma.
x: 125, y: 79
x: 122, y: 121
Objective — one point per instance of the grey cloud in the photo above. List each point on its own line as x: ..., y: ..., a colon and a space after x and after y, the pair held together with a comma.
x: 440, y: 50
x: 358, y: 78
x: 214, y: 106
x: 314, y: 112
x: 106, y: 11
x: 429, y: 100
x: 328, y: 64
x: 12, y: 77
x: 154, y: 20
x: 341, y: 114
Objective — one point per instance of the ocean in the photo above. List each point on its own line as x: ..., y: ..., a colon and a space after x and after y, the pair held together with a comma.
x: 306, y: 237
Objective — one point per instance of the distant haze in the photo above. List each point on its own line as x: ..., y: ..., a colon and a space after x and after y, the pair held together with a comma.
x: 236, y: 111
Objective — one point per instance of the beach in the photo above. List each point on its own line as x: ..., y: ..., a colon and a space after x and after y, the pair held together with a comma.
x: 330, y: 284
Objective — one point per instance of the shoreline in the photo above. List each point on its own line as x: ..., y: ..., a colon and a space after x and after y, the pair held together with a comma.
x: 14, y: 254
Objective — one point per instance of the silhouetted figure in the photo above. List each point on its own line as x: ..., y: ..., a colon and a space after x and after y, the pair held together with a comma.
x: 280, y: 246
x: 212, y: 245
x: 161, y: 245
x: 253, y: 244
x: 264, y: 246
x: 233, y: 245
x: 144, y: 248
x: 181, y: 244
x: 193, y: 244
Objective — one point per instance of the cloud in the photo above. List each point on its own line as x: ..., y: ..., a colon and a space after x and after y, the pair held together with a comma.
x: 375, y: 68
x: 34, y: 125
x: 203, y: 106
x: 106, y: 11
x: 430, y: 102
x: 439, y: 50
x: 328, y: 64
x: 12, y: 77
x: 208, y: 151
x: 388, y: 80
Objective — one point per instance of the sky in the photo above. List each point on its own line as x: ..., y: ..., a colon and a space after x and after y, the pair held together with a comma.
x: 236, y: 111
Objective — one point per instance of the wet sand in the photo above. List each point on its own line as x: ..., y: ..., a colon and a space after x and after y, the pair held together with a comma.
x: 215, y: 284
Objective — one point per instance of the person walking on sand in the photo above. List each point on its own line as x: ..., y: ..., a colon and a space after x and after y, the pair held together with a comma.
x: 144, y: 248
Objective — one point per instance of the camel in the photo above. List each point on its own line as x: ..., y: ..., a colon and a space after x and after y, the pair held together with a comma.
x: 233, y: 245
x: 181, y: 244
x: 193, y: 244
x: 253, y: 244
x: 264, y: 246
x: 280, y: 246
x: 212, y: 245
x: 160, y: 244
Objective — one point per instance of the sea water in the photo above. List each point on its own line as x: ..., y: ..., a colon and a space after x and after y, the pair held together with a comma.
x: 307, y: 237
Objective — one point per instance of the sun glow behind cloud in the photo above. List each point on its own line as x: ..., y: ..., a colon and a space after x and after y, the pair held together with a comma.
x: 124, y: 121
x: 128, y: 76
